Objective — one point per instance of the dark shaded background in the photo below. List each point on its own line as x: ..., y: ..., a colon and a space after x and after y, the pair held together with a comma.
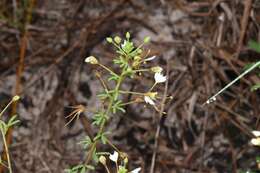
x: 203, y: 44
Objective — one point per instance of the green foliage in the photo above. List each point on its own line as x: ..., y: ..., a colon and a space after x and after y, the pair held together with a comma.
x: 5, y: 126
x: 80, y: 169
x: 102, y: 137
x: 122, y: 169
x: 99, y: 118
x: 255, y: 87
x: 255, y: 46
x: 118, y: 107
x: 86, y: 142
x: 257, y: 159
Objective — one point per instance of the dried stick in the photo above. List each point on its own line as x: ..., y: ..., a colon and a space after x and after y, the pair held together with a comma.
x: 244, y: 23
x: 159, y: 123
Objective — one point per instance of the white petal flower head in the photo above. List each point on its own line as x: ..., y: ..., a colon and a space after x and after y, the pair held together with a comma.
x: 150, y: 58
x: 91, y: 60
x: 255, y: 141
x: 159, y: 78
x: 114, y: 156
x: 136, y: 170
x: 124, y: 44
x: 149, y: 100
x: 256, y: 133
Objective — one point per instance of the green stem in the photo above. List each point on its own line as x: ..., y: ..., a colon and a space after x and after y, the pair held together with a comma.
x: 213, y: 98
x: 108, y: 69
x: 131, y: 92
x: 107, y: 169
x: 113, y: 146
x: 7, y: 153
x: 141, y: 70
x: 152, y: 87
x: 6, y: 108
x: 128, y: 103
x: 93, y: 146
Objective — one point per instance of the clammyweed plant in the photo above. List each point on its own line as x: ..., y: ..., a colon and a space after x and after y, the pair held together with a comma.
x: 131, y: 63
x: 4, y: 128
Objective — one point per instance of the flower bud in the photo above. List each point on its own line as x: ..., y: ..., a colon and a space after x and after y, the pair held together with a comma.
x: 91, y: 60
x: 138, y: 100
x: 109, y: 39
x: 102, y: 160
x: 157, y: 69
x: 127, y: 35
x: 151, y: 94
x: 126, y: 160
x: 135, y: 63
x: 117, y: 39
x: 139, y: 51
x: 15, y: 98
x: 137, y: 58
x: 146, y: 39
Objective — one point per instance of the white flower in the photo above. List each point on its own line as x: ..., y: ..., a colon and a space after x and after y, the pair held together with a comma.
x: 150, y: 58
x: 124, y: 44
x: 255, y: 141
x: 159, y: 78
x: 150, y: 97
x: 91, y: 60
x: 149, y: 100
x: 136, y: 170
x: 256, y: 133
x: 114, y: 157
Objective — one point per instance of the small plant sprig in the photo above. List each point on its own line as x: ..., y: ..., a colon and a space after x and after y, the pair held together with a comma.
x: 4, y: 128
x: 130, y: 60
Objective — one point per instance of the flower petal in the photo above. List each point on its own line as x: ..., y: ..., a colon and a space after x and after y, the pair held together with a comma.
x: 159, y: 78
x: 256, y: 133
x: 136, y: 170
x: 255, y: 141
x: 148, y: 99
x: 124, y: 44
x: 114, y: 156
x: 150, y: 58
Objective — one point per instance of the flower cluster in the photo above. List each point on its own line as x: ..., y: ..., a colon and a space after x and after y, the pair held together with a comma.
x: 121, y: 168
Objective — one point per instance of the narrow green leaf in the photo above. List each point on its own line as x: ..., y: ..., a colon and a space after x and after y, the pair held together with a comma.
x: 146, y: 39
x: 255, y: 87
x: 254, y: 45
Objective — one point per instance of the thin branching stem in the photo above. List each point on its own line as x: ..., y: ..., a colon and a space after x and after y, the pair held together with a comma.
x: 109, y: 70
x: 7, y: 152
x: 2, y: 112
